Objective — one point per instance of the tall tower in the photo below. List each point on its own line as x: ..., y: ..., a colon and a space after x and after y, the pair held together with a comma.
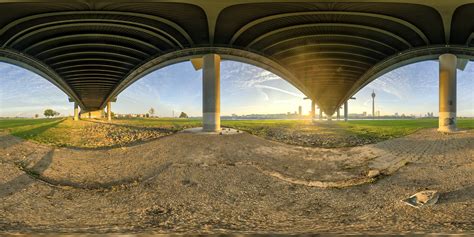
x: 373, y: 104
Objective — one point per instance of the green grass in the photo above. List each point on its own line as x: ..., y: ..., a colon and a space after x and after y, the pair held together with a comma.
x: 168, y: 123
x: 397, y: 128
x: 20, y: 122
x: 65, y: 131
x: 41, y: 130
x: 336, y: 133
x: 378, y: 128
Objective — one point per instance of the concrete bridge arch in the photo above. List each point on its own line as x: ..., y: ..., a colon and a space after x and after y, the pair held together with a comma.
x: 226, y: 53
x: 92, y: 50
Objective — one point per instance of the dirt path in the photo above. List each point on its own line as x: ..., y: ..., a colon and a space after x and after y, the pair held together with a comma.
x: 210, y: 183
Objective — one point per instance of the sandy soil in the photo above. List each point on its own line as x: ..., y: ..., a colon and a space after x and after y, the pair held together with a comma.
x: 237, y: 183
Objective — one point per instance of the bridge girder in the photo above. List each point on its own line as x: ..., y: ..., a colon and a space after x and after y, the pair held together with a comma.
x: 110, y: 45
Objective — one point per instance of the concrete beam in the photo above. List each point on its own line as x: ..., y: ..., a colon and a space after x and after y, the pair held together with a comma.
x: 91, y: 114
x: 461, y: 64
x: 109, y: 111
x: 197, y: 63
x: 346, y: 111
x: 447, y: 93
x: 211, y: 108
x: 313, y: 109
x: 76, y: 111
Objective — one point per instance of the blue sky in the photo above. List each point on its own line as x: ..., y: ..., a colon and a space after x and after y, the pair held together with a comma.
x: 245, y: 89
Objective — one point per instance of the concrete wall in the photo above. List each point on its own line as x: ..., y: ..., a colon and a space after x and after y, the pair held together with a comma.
x: 92, y: 114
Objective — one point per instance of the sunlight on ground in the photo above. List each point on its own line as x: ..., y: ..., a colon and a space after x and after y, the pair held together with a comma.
x: 98, y: 133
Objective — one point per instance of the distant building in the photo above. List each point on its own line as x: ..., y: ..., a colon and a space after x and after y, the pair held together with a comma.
x: 130, y: 115
x: 300, y: 110
x: 263, y: 116
x: 364, y: 114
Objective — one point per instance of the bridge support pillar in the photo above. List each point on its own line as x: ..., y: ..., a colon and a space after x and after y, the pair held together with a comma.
x: 338, y: 113
x: 109, y: 111
x: 346, y: 111
x: 447, y: 93
x: 320, y: 114
x: 76, y: 111
x: 211, y: 106
x: 313, y: 109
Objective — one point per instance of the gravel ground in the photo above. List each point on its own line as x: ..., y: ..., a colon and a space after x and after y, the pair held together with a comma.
x: 195, y: 183
x: 88, y: 134
x: 314, y: 139
x: 317, y: 134
x: 102, y: 134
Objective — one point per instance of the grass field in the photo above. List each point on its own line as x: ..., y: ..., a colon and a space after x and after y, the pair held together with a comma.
x: 65, y: 132
x: 40, y: 130
x: 336, y: 133
x: 167, y: 123
x: 60, y: 132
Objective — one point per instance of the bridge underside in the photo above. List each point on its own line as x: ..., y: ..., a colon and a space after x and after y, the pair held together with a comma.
x: 329, y: 50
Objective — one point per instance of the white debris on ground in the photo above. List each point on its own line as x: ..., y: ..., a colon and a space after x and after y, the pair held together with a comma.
x: 423, y: 198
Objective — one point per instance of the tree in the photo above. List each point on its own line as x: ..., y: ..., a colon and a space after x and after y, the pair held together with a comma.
x: 183, y: 115
x: 36, y: 115
x: 50, y: 113
x: 151, y: 111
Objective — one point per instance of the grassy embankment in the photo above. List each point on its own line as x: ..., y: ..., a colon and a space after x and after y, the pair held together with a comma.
x: 65, y: 132
x: 336, y: 133
x: 40, y: 130
x: 92, y: 133
x: 166, y: 123
x: 378, y: 128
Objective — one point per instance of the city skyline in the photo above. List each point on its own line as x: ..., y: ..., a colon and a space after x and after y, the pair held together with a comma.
x: 245, y: 89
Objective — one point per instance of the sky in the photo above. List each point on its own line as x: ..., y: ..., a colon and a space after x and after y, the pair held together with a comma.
x: 245, y: 89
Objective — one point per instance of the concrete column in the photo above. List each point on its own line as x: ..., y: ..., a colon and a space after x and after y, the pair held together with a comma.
x: 338, y: 114
x: 320, y: 114
x: 313, y: 109
x: 211, y: 98
x: 447, y: 93
x: 109, y: 111
x: 346, y: 111
x: 76, y: 111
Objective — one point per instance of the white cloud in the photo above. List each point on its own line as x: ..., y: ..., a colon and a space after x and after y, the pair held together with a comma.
x: 281, y: 90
